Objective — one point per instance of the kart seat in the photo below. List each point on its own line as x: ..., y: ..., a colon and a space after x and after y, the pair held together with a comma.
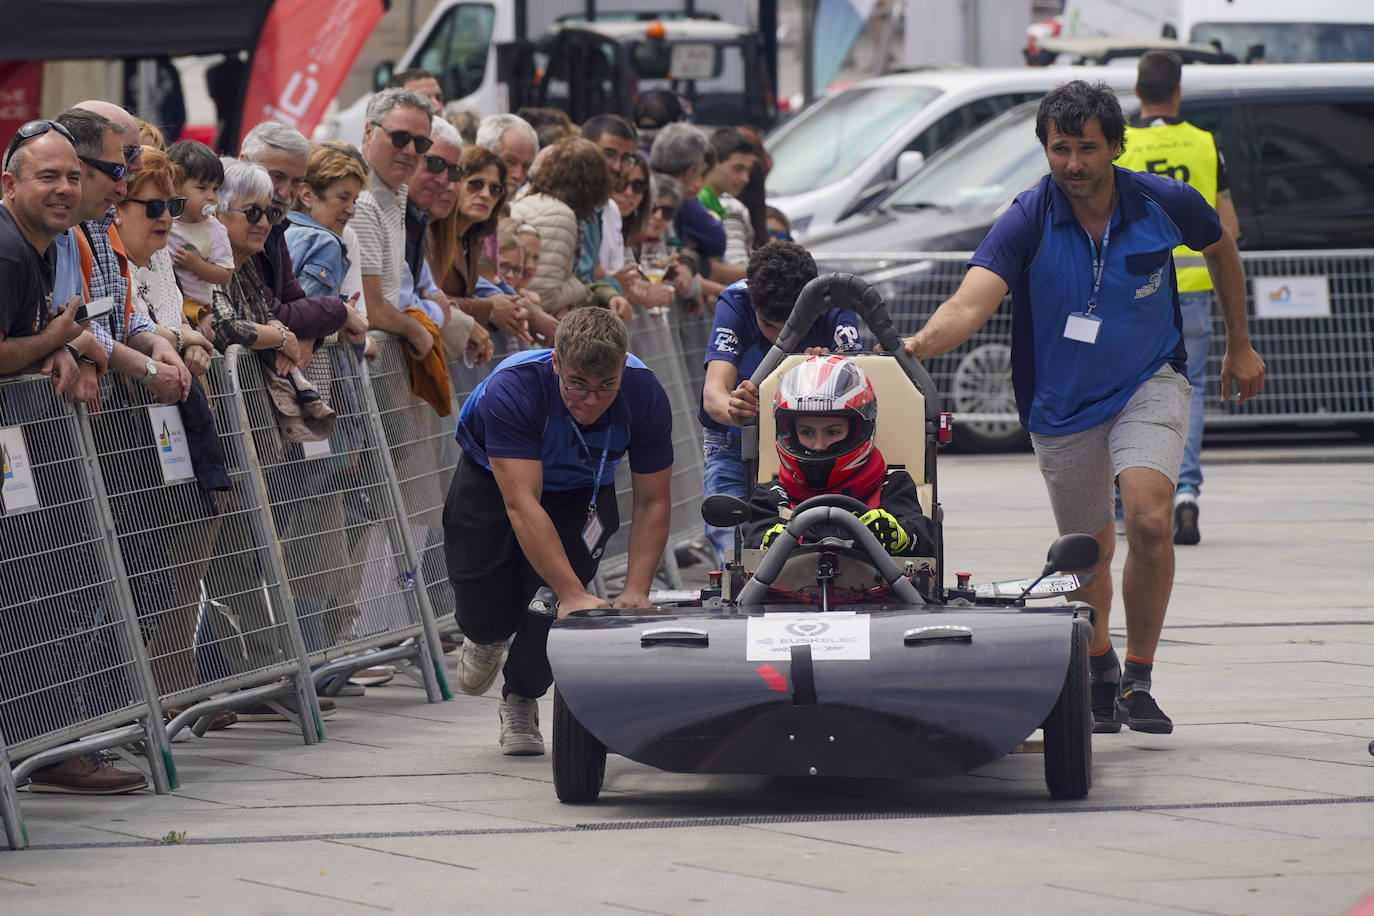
x: 901, y: 418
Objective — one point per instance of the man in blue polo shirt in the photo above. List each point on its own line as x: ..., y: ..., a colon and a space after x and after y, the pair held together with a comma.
x: 533, y: 502
x: 749, y: 316
x: 1098, y: 361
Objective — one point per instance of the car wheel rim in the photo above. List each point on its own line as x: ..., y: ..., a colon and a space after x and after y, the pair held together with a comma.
x: 982, y: 385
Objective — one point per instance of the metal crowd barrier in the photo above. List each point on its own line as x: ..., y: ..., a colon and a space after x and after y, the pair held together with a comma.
x: 1311, y: 316
x: 73, y: 676
x: 205, y: 576
x: 356, y: 591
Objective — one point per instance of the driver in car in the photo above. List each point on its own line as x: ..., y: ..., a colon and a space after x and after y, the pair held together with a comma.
x: 826, y: 415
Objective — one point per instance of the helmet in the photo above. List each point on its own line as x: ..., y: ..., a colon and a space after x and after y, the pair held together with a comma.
x: 830, y: 386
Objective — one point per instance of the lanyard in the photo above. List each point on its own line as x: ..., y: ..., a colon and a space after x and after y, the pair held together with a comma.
x: 596, y: 483
x: 1100, y: 255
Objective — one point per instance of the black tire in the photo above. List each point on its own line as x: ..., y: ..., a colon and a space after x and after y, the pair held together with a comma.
x: 1069, y: 726
x: 981, y: 383
x: 579, y: 759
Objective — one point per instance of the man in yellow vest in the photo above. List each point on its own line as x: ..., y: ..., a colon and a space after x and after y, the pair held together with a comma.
x: 1158, y: 141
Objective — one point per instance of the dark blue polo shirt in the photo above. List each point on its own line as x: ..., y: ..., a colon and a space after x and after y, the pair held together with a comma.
x: 1046, y: 258
x: 736, y: 338
x: 517, y: 412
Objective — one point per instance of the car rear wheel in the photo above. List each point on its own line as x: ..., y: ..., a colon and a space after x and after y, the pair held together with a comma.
x: 579, y: 759
x: 1069, y: 727
x: 982, y: 385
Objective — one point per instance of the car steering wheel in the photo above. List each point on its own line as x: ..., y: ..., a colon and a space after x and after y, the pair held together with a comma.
x: 836, y: 500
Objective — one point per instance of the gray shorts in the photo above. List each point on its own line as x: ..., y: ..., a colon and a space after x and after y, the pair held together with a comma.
x: 1080, y: 469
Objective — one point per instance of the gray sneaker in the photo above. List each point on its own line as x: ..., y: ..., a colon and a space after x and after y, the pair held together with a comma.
x: 478, y: 665
x: 520, y: 727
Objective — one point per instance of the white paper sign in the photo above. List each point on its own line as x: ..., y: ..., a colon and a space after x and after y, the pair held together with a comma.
x: 832, y: 636
x: 1291, y: 297
x: 16, y: 485
x: 692, y: 62
x: 1012, y: 588
x: 316, y: 449
x: 169, y: 439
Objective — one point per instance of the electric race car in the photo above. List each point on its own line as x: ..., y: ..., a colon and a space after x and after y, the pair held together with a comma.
x: 823, y: 655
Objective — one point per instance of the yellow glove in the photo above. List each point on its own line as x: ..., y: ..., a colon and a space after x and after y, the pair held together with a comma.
x: 771, y: 534
x: 885, y: 527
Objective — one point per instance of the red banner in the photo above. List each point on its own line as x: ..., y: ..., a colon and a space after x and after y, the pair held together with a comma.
x: 21, y: 91
x: 301, y: 61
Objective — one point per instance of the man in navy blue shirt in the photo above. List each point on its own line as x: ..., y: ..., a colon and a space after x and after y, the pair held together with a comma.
x: 533, y: 502
x: 1098, y: 361
x: 749, y: 316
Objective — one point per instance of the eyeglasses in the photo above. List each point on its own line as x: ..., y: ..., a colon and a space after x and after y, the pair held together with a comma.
x: 436, y: 164
x: 638, y: 185
x: 475, y: 186
x: 30, y: 130
x: 113, y: 170
x: 506, y: 268
x: 131, y: 153
x: 399, y: 138
x: 584, y: 392
x: 665, y: 211
x: 254, y: 212
x: 612, y: 157
x: 155, y: 208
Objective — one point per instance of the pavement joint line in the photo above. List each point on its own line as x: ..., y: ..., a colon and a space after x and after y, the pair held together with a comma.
x: 354, y: 844
x: 757, y: 877
x: 734, y: 821
x: 296, y: 890
x: 1117, y: 897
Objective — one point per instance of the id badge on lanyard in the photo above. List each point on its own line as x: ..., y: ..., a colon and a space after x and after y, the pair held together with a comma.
x: 1083, y: 326
x: 593, y: 528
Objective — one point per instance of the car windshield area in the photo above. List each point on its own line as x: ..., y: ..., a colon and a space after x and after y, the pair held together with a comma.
x: 1290, y: 42
x: 456, y: 50
x: 990, y: 166
x: 827, y: 142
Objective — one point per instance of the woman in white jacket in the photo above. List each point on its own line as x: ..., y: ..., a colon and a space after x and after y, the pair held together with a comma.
x: 571, y: 181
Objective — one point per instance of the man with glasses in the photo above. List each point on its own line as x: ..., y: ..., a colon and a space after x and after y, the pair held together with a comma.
x: 533, y: 502
x: 395, y: 141
x: 41, y: 641
x: 284, y: 153
x: 601, y: 243
x: 134, y: 347
x: 513, y: 139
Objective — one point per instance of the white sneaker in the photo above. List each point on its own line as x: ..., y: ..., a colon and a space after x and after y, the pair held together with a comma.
x: 478, y: 665
x: 1185, y: 518
x: 520, y: 727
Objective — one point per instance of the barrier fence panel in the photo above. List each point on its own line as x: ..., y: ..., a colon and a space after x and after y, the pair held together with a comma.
x: 73, y: 676
x: 347, y: 569
x: 655, y: 341
x: 202, y: 570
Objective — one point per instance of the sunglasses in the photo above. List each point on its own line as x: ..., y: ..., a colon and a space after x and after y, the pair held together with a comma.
x: 155, y: 208
x: 254, y: 212
x: 399, y: 138
x: 638, y: 185
x: 131, y: 153
x: 30, y: 130
x: 475, y: 186
x: 665, y: 212
x: 113, y: 170
x: 436, y: 164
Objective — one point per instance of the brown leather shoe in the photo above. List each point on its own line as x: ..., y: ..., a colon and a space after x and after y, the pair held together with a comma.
x: 90, y: 774
x: 223, y: 720
x: 264, y: 713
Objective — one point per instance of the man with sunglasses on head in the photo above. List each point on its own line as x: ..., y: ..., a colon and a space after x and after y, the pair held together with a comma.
x: 42, y: 186
x: 284, y: 153
x: 395, y: 141
x: 533, y: 502
x: 135, y: 350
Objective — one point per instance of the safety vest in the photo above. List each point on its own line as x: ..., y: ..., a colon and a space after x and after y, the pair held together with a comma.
x: 1186, y: 153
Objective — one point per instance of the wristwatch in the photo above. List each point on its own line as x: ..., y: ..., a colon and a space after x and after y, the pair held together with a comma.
x: 151, y: 372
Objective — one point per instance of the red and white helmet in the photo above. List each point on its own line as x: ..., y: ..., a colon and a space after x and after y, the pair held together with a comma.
x: 829, y: 386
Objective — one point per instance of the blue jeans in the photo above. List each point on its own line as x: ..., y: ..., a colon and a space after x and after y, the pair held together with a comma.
x: 722, y: 472
x: 1196, y: 309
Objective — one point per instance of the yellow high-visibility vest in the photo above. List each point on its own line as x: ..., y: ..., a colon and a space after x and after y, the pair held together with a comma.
x: 1186, y: 153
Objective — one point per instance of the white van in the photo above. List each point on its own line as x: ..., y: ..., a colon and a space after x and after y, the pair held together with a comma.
x: 854, y: 145
x: 1274, y: 31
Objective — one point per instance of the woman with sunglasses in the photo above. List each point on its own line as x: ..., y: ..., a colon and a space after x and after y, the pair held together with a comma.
x: 658, y: 227
x: 634, y: 201
x: 145, y: 223
x: 241, y: 314
x: 460, y: 222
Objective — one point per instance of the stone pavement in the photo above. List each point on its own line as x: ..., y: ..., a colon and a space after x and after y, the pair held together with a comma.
x: 1261, y: 802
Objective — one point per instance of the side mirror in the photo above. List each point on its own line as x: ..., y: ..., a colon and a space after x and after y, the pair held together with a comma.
x: 724, y: 511
x: 909, y: 162
x: 382, y: 75
x: 1071, y: 553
